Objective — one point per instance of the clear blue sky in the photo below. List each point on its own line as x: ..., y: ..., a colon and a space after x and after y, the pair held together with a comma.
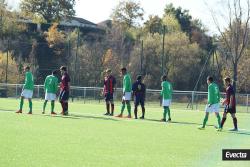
x: 99, y: 10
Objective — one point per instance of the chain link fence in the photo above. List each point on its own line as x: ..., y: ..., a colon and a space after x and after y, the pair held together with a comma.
x: 186, y: 100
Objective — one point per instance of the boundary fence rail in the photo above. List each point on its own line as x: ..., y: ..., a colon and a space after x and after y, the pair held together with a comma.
x: 195, y: 100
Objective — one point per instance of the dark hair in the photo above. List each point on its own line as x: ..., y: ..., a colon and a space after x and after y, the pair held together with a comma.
x: 164, y: 78
x: 27, y: 68
x: 54, y: 72
x: 63, y: 68
x: 123, y: 69
x: 209, y: 78
x: 227, y: 79
x: 139, y: 78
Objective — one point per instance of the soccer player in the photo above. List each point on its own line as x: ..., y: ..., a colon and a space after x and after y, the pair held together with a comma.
x: 166, y: 94
x: 64, y: 90
x: 230, y: 104
x: 213, y: 102
x: 51, y: 87
x: 108, y: 90
x: 139, y: 92
x: 126, y: 92
x: 27, y: 92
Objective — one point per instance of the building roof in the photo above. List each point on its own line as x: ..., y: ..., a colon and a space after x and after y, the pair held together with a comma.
x: 73, y: 22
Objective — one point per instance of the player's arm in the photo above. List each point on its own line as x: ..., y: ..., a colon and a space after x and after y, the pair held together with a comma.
x: 231, y: 101
x: 45, y: 83
x: 162, y: 89
x: 26, y: 80
x: 68, y: 79
x: 144, y: 92
x: 102, y: 90
x: 133, y: 90
x: 56, y: 85
x: 171, y: 89
x: 210, y: 91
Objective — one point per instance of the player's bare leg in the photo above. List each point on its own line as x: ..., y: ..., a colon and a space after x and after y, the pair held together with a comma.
x: 30, y: 106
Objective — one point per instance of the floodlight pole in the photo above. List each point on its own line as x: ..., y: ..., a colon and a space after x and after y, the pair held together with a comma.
x: 163, y: 52
x: 76, y: 58
x: 7, y: 63
x: 141, y: 54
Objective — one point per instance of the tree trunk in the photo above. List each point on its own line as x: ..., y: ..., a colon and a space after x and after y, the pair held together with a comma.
x: 235, y: 75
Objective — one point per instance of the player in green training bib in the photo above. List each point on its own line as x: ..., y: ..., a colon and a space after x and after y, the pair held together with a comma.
x: 166, y: 94
x: 213, y: 102
x: 27, y: 91
x: 51, y: 88
x: 127, y: 88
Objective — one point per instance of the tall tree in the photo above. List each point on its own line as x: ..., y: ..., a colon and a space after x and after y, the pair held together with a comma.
x: 9, y: 27
x: 153, y: 24
x: 50, y: 10
x: 183, y: 17
x: 234, y: 39
x: 128, y: 13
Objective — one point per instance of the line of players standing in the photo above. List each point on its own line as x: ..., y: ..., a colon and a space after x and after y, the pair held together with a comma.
x: 135, y: 91
x: 138, y: 93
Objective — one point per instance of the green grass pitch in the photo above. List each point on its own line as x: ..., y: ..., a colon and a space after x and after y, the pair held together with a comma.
x: 87, y: 138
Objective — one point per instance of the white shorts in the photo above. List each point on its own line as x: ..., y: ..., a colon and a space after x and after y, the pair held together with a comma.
x: 127, y: 96
x: 213, y: 108
x: 50, y: 96
x: 27, y: 94
x: 166, y: 102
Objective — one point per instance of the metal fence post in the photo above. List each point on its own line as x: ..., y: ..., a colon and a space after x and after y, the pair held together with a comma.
x: 38, y: 93
x: 16, y: 91
x: 247, y: 101
x: 192, y: 103
x: 84, y: 95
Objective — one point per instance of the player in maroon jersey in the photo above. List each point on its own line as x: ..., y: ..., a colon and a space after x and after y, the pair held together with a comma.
x: 64, y: 90
x: 230, y: 104
x: 108, y: 90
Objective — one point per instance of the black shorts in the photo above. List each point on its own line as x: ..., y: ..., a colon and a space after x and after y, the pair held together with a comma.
x: 108, y: 97
x: 64, y: 95
x: 230, y: 110
x: 139, y: 100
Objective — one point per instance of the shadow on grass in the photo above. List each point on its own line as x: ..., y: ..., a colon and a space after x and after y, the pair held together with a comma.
x: 176, y: 122
x: 6, y: 110
x: 70, y: 116
x: 78, y: 116
x: 239, y: 132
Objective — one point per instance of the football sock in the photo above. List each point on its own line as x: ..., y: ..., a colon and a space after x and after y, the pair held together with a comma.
x: 66, y: 106
x: 219, y: 120
x: 44, y: 105
x: 222, y: 122
x: 122, y: 108
x: 205, y: 121
x: 165, y: 112
x: 143, y: 111
x: 112, y: 108
x: 30, y: 105
x: 52, y: 106
x: 235, y: 123
x: 129, y: 108
x: 107, y: 107
x: 169, y: 117
x: 63, y: 108
x: 21, y: 104
x: 135, y: 112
